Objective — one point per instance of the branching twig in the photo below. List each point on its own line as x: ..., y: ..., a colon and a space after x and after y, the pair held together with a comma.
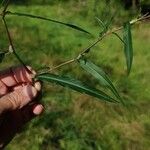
x: 6, y: 6
x: 87, y: 50
x: 111, y: 32
x: 11, y: 47
x: 58, y: 66
x: 83, y: 52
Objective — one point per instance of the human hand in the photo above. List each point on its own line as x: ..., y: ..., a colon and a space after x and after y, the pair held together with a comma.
x: 17, y: 101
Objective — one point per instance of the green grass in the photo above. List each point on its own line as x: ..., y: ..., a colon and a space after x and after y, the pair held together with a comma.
x: 73, y: 121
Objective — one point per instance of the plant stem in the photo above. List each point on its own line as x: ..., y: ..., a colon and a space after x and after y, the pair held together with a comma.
x: 12, y: 46
x: 6, y: 6
x: 87, y: 50
x: 9, y: 36
x: 58, y: 66
x: 112, y: 32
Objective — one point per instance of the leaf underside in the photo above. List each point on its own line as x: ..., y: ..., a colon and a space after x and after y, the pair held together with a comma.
x: 75, y: 85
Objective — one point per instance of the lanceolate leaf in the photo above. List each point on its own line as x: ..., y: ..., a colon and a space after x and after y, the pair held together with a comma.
x: 47, y: 19
x: 128, y: 48
x: 2, y: 55
x: 76, y: 85
x: 99, y: 74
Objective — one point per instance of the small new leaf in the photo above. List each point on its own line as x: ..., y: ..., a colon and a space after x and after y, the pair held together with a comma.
x: 100, y: 22
x: 128, y: 47
x: 99, y: 74
x: 106, y: 27
x: 75, y: 85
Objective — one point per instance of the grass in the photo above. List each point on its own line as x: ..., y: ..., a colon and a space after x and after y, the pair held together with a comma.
x: 73, y: 121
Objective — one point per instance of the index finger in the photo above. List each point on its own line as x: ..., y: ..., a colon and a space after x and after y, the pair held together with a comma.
x: 16, y: 75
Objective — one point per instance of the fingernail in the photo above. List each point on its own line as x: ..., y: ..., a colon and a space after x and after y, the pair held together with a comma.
x: 29, y: 91
x: 37, y: 85
x: 32, y: 71
x: 38, y: 109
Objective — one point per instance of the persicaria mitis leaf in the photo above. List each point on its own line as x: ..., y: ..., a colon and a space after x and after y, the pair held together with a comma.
x: 99, y: 74
x: 75, y: 85
x: 128, y: 47
x: 47, y: 19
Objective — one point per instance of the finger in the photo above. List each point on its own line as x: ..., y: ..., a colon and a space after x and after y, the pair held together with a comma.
x: 18, y: 86
x: 26, y: 114
x: 3, y: 89
x: 14, y: 76
x: 37, y: 85
x: 15, y: 120
x: 31, y: 70
x: 38, y: 109
x: 18, y: 99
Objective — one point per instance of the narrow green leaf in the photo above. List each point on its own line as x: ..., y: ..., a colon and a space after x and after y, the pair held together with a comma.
x: 106, y: 26
x: 100, y: 75
x: 2, y: 55
x: 117, y: 35
x: 47, y: 19
x: 109, y: 22
x: 100, y: 22
x: 75, y: 85
x: 128, y: 48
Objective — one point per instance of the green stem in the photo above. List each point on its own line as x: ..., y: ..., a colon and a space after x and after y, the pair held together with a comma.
x: 12, y: 46
x: 87, y: 50
x: 59, y: 66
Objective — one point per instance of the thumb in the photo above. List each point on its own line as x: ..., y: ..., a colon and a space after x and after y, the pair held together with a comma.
x: 18, y: 98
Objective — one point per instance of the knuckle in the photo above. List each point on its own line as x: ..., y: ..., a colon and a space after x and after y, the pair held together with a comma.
x: 15, y: 100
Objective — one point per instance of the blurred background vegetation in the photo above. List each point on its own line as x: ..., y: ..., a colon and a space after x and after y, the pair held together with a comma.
x: 73, y: 121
